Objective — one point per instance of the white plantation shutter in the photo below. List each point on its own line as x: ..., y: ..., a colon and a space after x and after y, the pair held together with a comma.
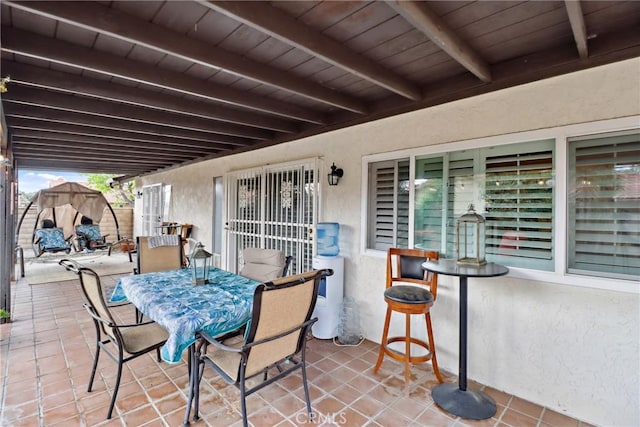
x: 461, y: 190
x: 604, y: 204
x: 519, y: 195
x: 388, y: 204
x: 428, y: 221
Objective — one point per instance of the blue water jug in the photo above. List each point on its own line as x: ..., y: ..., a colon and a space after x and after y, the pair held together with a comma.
x: 328, y: 233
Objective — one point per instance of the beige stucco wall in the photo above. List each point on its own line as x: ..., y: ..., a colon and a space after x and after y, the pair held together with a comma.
x: 573, y: 349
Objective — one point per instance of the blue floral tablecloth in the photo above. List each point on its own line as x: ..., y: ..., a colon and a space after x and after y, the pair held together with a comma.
x: 169, y: 298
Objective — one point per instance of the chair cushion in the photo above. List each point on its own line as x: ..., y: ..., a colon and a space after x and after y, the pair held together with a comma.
x: 91, y: 231
x: 139, y: 338
x: 261, y: 272
x: 51, y: 238
x: 262, y: 265
x: 228, y: 361
x: 408, y: 294
x: 263, y: 256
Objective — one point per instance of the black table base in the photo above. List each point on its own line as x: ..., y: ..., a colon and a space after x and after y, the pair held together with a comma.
x: 470, y: 404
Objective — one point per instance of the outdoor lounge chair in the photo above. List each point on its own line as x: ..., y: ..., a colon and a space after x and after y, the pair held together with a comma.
x: 122, y: 342
x: 274, y: 344
x: 50, y: 238
x: 88, y: 236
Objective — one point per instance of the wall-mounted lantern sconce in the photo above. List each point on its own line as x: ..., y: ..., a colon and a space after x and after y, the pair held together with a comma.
x: 335, y: 175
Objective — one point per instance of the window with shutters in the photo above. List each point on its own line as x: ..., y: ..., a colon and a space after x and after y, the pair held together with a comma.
x: 588, y: 185
x: 604, y: 204
x: 389, y: 206
x: 512, y: 189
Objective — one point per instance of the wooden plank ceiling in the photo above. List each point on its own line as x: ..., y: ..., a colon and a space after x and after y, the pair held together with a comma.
x: 132, y: 87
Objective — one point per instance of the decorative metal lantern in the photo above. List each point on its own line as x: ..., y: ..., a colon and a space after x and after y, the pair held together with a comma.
x: 199, y: 264
x: 470, y: 238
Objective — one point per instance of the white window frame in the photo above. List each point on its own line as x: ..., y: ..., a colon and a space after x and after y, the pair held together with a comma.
x: 561, y: 134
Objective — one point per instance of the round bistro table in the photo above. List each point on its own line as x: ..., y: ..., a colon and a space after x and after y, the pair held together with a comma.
x: 458, y: 399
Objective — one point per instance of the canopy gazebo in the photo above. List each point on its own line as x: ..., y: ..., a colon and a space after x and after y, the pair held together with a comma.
x: 64, y: 205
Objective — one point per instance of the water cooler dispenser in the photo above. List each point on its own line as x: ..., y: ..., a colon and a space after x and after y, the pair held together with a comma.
x: 331, y: 291
x: 330, y: 294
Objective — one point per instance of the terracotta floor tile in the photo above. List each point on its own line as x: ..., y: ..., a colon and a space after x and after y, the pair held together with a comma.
x: 526, y: 407
x: 170, y: 404
x: 346, y: 394
x: 140, y: 416
x: 367, y: 406
x: 557, y: 419
x: 65, y: 396
x: 500, y: 397
x: 328, y: 382
x: 175, y: 418
x: 408, y: 407
x: 266, y: 417
x: 434, y: 418
x: 289, y: 404
x: 132, y: 402
x: 28, y: 421
x: 60, y: 413
x: 389, y: 417
x: 162, y: 390
x: 154, y: 423
x: 518, y: 419
x: 326, y: 365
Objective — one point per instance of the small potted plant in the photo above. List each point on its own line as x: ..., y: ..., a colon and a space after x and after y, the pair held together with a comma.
x: 5, y: 316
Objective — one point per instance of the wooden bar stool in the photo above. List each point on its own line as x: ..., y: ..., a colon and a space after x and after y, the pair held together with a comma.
x: 405, y: 265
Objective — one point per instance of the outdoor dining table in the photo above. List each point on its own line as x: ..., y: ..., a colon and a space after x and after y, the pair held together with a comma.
x: 184, y: 309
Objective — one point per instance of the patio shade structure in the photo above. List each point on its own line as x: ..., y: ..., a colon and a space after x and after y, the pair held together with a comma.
x: 80, y: 199
x: 131, y: 88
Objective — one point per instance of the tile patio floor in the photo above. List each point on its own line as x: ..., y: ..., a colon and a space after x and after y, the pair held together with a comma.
x: 46, y: 357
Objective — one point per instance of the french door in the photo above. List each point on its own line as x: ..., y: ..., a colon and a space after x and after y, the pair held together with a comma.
x: 152, y: 203
x: 273, y: 207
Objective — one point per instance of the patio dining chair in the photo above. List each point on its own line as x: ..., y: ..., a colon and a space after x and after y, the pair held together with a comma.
x: 157, y: 253
x: 122, y: 342
x: 165, y: 255
x: 263, y: 265
x: 273, y: 346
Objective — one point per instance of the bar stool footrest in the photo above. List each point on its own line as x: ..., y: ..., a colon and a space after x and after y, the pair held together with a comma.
x: 397, y: 355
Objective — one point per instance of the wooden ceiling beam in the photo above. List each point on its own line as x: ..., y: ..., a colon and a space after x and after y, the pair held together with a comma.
x: 48, y: 49
x: 278, y: 24
x: 87, y: 124
x: 93, y: 16
x: 34, y: 134
x: 39, y: 163
x: 576, y: 19
x: 66, y: 155
x: 95, y: 150
x: 180, y: 123
x: 434, y: 27
x: 76, y: 84
x: 22, y: 123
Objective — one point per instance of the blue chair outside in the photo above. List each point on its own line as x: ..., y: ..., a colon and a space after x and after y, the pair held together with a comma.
x: 50, y: 240
x: 89, y: 237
